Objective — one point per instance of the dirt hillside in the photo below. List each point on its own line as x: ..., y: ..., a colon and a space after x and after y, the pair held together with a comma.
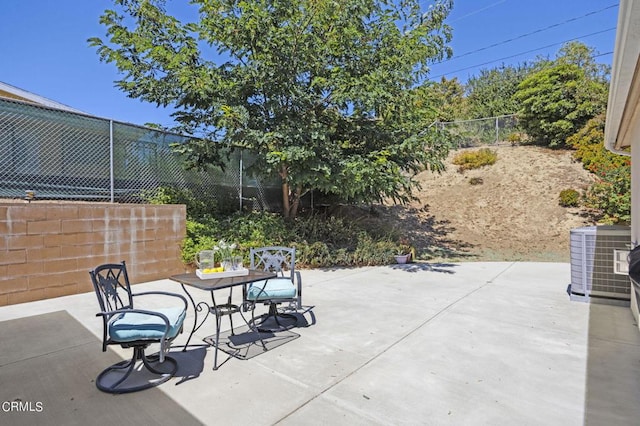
x: 513, y: 214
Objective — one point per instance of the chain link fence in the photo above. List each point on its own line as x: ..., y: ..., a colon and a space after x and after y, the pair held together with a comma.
x: 61, y: 155
x: 482, y: 131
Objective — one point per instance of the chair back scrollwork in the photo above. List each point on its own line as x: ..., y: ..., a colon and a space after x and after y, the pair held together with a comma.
x: 280, y: 260
x: 285, y: 288
x: 112, y: 287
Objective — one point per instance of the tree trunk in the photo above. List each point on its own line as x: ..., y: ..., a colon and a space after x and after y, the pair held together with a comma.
x: 290, y: 200
x: 285, y: 191
x: 296, y: 202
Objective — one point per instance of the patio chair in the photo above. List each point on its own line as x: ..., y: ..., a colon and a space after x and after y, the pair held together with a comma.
x: 286, y: 288
x: 134, y: 328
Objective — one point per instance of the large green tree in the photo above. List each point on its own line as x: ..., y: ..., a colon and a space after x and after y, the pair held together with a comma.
x: 559, y: 99
x: 447, y: 99
x: 580, y: 54
x: 322, y: 91
x: 491, y: 93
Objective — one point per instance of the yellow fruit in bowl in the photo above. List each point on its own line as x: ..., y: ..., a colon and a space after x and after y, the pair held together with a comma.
x: 207, y: 270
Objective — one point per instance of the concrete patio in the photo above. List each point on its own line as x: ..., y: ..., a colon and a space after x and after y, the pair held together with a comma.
x: 472, y: 343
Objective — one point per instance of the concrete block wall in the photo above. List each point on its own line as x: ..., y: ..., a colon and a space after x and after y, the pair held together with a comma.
x: 47, y: 249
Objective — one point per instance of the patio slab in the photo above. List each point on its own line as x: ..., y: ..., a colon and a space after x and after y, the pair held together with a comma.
x: 470, y: 343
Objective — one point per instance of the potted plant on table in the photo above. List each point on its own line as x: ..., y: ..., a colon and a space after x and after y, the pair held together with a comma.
x: 227, y: 260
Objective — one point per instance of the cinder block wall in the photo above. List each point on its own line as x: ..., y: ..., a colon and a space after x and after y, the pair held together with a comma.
x: 47, y: 249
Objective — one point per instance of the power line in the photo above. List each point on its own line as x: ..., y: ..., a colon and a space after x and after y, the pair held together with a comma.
x: 528, y: 51
x: 603, y: 54
x: 528, y: 34
x: 478, y: 11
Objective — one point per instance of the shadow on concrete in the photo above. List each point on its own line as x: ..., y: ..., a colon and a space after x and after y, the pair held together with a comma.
x: 50, y: 362
x: 446, y: 268
x: 190, y: 363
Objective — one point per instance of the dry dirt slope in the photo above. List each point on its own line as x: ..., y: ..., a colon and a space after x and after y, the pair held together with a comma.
x: 512, y: 215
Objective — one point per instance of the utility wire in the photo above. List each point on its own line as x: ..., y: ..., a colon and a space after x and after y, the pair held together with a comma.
x: 527, y: 34
x: 528, y: 51
x: 603, y: 54
x: 477, y: 11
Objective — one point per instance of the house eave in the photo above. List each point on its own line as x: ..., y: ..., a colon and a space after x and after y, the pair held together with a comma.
x: 624, y: 93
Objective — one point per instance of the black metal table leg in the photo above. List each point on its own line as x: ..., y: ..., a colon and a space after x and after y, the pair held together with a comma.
x: 219, y: 311
x: 196, y: 308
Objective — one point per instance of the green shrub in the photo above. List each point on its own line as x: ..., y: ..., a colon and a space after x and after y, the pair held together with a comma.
x: 515, y: 138
x: 197, y: 207
x: 569, y: 198
x: 331, y: 230
x: 199, y: 236
x: 611, y: 195
x: 370, y: 252
x: 367, y: 252
x: 314, y: 255
x: 475, y: 159
x: 257, y: 229
x: 590, y: 150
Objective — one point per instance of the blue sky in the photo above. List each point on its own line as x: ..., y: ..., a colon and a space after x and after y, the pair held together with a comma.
x: 44, y: 49
x: 486, y: 31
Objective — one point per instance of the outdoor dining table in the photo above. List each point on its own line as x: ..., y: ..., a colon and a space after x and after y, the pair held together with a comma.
x: 219, y: 310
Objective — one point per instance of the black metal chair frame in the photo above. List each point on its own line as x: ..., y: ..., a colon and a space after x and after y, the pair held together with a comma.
x: 113, y: 289
x: 280, y: 260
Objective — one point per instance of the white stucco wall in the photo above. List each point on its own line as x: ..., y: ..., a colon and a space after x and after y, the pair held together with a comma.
x: 635, y: 202
x: 635, y: 186
x: 622, y: 127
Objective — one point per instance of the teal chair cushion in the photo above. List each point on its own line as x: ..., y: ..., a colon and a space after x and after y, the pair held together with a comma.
x: 132, y: 326
x: 274, y: 288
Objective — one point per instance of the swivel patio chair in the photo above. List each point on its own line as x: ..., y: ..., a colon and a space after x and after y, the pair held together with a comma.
x: 285, y: 288
x: 134, y: 328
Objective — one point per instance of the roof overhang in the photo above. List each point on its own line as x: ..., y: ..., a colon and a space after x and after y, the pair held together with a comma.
x: 12, y: 92
x: 623, y: 107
